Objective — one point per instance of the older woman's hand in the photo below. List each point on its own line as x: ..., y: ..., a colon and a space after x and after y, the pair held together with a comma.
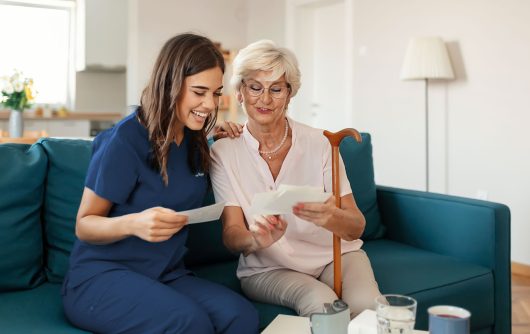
x: 267, y: 230
x: 317, y: 213
x: 227, y: 129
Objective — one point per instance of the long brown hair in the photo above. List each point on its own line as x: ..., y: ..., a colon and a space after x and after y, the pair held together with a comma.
x: 182, y: 56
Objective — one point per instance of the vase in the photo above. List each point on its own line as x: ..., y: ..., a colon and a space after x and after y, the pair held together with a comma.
x: 16, y: 124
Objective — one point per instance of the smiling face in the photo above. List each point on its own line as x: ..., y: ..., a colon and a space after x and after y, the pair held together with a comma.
x: 269, y: 107
x: 199, y: 98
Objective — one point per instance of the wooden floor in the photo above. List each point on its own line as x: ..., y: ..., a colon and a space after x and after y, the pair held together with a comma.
x: 520, y: 304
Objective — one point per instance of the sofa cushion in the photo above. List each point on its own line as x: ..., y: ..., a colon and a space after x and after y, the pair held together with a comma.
x: 68, y: 163
x: 359, y: 165
x: 22, y: 170
x: 35, y: 311
x: 224, y: 273
x: 433, y: 279
x: 205, y: 241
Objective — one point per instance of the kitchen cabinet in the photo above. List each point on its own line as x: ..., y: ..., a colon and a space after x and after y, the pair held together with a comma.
x: 68, y: 128
x: 55, y: 128
x: 101, y: 35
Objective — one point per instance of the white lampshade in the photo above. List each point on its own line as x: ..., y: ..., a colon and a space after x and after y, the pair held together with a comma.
x: 426, y: 58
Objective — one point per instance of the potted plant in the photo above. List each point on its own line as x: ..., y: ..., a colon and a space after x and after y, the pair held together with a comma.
x: 17, y: 95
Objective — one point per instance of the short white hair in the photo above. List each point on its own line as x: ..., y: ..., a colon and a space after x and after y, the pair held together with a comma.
x: 264, y: 55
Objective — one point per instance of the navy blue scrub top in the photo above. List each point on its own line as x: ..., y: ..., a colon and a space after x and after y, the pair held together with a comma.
x: 120, y: 171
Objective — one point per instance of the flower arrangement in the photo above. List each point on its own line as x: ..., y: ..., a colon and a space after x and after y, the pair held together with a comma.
x: 17, y: 91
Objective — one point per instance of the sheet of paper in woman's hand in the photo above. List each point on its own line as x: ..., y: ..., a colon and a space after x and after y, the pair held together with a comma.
x: 282, y: 200
x: 204, y: 214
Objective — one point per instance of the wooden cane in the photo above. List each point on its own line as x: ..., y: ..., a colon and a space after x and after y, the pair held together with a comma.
x: 335, y: 139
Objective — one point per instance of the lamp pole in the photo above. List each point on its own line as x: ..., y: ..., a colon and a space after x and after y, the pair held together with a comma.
x: 426, y: 58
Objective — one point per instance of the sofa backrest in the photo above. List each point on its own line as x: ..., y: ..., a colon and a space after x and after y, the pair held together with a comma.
x: 22, y: 173
x: 40, y: 191
x: 205, y: 241
x: 359, y: 165
x: 67, y: 165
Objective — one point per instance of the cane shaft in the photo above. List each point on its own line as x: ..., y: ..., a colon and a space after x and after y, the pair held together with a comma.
x: 337, y: 264
x: 334, y: 140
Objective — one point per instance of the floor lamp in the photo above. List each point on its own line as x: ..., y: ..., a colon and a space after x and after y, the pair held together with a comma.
x: 426, y: 58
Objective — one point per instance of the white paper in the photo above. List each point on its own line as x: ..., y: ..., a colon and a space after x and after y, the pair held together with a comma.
x: 282, y: 200
x: 364, y: 323
x: 204, y: 214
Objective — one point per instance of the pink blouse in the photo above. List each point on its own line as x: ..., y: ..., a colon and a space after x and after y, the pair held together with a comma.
x: 238, y: 172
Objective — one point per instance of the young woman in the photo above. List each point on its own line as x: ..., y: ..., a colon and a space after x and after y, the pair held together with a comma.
x: 126, y: 270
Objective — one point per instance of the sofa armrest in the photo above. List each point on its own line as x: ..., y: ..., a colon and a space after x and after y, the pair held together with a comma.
x: 470, y: 230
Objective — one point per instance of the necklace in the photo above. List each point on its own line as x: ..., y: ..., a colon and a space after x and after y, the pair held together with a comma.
x: 269, y: 154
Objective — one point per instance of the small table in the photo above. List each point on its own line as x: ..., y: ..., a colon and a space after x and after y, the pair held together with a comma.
x: 288, y: 324
x: 301, y: 325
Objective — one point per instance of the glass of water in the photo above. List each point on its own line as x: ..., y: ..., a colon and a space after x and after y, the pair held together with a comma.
x: 395, y: 314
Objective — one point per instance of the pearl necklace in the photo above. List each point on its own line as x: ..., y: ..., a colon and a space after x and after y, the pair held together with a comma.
x: 275, y: 150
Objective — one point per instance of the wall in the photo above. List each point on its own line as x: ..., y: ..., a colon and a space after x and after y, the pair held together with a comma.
x: 100, y: 92
x: 478, y: 122
x: 266, y: 20
x: 151, y: 23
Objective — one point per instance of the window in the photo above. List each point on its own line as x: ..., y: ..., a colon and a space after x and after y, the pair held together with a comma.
x: 37, y: 40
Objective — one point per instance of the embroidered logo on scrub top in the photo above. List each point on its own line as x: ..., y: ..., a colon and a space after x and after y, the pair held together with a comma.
x: 199, y: 174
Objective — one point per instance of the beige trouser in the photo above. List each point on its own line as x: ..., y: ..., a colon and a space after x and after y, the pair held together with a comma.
x: 306, y: 294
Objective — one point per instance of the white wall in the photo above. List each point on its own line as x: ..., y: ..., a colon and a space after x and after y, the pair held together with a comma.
x: 100, y: 92
x: 153, y: 22
x: 266, y: 20
x: 478, y: 122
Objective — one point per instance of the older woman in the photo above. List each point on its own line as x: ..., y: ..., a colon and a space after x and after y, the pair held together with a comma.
x: 285, y: 259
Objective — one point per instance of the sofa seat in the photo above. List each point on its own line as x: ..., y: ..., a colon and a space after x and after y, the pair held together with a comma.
x: 433, y: 279
x: 35, y: 311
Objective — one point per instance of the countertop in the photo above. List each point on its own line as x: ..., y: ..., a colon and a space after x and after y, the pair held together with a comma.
x: 71, y: 116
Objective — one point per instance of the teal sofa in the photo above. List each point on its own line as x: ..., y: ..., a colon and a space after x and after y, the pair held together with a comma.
x: 438, y: 249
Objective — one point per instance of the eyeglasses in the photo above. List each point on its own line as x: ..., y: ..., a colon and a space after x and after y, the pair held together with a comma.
x: 277, y: 91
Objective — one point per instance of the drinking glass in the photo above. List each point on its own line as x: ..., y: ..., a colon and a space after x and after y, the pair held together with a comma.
x: 396, y: 314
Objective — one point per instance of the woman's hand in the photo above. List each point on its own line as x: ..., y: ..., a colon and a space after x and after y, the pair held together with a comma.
x: 227, y: 129
x: 157, y: 224
x: 266, y: 230
x: 317, y: 213
x: 347, y: 221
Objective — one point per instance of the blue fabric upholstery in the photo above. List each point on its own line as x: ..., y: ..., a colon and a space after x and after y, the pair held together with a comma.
x: 22, y: 173
x: 407, y: 270
x: 64, y: 187
x: 438, y: 249
x: 35, y: 311
x: 469, y: 230
x: 359, y: 164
